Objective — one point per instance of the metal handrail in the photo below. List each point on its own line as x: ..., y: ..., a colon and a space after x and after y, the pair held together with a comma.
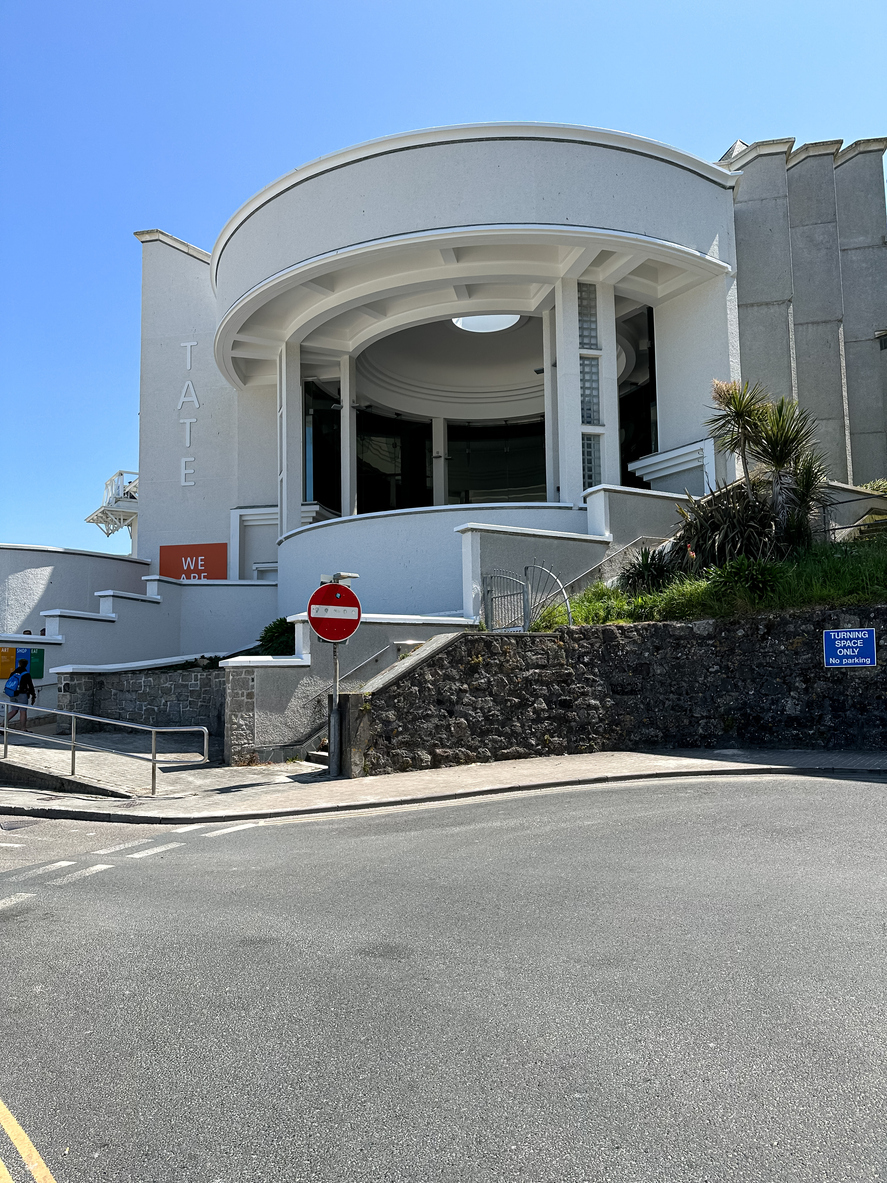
x: 329, y: 685
x: 74, y: 741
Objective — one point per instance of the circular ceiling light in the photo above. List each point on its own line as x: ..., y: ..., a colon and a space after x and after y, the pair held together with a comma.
x: 485, y: 324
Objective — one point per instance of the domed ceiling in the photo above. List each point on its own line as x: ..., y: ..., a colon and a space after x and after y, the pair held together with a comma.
x: 439, y: 370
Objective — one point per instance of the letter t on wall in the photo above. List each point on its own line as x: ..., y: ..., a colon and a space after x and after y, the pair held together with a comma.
x: 189, y: 345
x: 187, y: 423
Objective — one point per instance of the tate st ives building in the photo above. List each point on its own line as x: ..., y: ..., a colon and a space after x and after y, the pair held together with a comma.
x: 456, y: 351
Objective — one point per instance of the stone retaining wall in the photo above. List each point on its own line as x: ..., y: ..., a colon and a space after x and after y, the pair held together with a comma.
x: 154, y: 698
x: 757, y: 681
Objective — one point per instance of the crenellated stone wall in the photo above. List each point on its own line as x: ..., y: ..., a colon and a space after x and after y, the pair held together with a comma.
x: 759, y: 681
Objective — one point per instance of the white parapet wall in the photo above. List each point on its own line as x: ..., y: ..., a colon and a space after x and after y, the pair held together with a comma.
x: 36, y: 577
x: 627, y: 514
x: 202, y: 617
x: 487, y: 548
x: 418, y: 546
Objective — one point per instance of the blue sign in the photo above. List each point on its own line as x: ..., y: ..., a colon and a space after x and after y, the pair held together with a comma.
x: 849, y: 646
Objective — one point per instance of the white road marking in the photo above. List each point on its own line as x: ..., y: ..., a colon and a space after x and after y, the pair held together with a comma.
x: 42, y: 870
x: 81, y: 874
x: 154, y: 850
x: 193, y: 826
x: 122, y: 846
x: 11, y: 843
x: 12, y: 900
x: 231, y: 829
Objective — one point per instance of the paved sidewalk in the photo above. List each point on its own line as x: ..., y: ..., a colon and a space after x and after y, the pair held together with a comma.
x: 222, y: 793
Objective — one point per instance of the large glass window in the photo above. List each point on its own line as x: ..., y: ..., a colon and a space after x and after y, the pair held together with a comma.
x: 393, y: 463
x: 322, y: 448
x: 495, y: 462
x: 637, y: 394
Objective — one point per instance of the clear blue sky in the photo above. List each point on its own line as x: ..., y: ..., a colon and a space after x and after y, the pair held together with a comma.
x: 121, y: 116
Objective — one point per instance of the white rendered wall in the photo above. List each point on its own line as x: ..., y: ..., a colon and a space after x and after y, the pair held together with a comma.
x: 408, y: 560
x: 478, y: 181
x: 696, y: 341
x: 486, y: 549
x: 177, y: 307
x: 33, y: 578
x: 167, y: 618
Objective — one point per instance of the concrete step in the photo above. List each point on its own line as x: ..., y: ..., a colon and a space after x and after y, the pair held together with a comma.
x: 319, y: 758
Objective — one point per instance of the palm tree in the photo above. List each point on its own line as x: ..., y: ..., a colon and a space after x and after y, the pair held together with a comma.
x: 785, y: 448
x: 784, y: 473
x: 738, y: 424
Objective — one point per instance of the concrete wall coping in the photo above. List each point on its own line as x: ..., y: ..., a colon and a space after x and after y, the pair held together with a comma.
x: 63, y: 550
x: 528, y: 532
x: 461, y: 622
x: 122, y: 667
x: 628, y: 492
x: 858, y: 146
x: 131, y: 596
x: 28, y: 640
x: 418, y: 657
x: 245, y: 663
x: 420, y: 509
x: 170, y: 240
x: 106, y: 617
x: 205, y: 582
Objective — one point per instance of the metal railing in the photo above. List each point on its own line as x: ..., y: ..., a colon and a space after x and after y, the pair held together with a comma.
x: 73, y: 742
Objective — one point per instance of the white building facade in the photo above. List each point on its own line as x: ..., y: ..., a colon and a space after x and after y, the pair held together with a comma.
x: 476, y: 347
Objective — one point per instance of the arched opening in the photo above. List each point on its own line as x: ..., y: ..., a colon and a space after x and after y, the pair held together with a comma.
x: 446, y: 413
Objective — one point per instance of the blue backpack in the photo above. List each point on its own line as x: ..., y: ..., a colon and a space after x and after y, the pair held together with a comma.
x: 11, y: 687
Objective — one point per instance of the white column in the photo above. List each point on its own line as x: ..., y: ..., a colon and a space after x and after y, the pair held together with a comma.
x: 569, y: 436
x: 611, y: 466
x: 289, y: 438
x: 439, y: 460
x: 549, y: 387
x: 348, y: 399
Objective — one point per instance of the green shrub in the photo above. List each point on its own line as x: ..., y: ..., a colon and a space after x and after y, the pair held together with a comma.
x: 832, y: 574
x: 648, y: 570
x: 877, y: 486
x: 754, y: 578
x: 278, y: 639
x: 726, y: 524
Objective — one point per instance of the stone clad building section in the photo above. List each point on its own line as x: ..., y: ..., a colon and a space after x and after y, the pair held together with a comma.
x: 811, y: 261
x: 705, y: 684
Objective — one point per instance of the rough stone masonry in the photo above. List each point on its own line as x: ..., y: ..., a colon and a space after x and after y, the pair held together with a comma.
x: 757, y: 681
x: 155, y: 698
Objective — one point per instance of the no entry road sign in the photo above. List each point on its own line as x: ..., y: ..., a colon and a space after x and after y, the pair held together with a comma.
x: 334, y: 612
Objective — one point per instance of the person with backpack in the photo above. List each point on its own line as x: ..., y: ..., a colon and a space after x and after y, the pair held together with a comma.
x: 19, y: 688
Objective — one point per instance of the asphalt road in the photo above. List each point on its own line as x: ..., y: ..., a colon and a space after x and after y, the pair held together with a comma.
x: 671, y: 981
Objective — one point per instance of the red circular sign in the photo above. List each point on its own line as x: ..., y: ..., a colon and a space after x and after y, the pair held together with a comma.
x: 334, y: 612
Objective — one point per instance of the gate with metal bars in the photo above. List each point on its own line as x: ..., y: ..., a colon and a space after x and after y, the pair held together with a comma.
x: 512, y: 604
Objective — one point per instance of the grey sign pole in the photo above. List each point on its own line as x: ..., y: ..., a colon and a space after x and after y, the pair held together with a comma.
x: 335, y: 734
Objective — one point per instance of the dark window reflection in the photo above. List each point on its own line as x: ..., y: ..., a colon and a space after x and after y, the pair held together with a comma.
x: 496, y: 462
x: 393, y: 463
x: 322, y: 448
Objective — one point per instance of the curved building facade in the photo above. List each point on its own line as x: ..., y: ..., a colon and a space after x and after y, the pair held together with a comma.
x: 504, y: 326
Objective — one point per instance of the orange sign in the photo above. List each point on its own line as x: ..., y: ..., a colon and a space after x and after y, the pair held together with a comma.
x: 209, y: 561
